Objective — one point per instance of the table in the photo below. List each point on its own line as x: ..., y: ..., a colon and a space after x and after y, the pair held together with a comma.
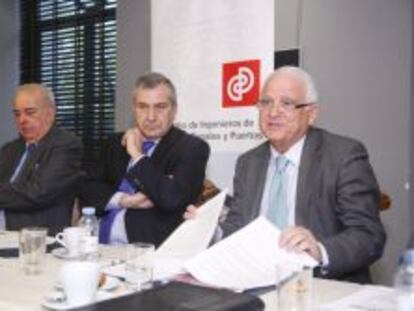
x: 20, y: 292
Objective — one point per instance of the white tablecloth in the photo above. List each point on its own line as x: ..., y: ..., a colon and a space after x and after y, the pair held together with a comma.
x: 19, y: 292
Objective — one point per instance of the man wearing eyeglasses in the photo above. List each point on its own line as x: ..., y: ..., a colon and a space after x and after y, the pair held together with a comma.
x: 148, y: 175
x: 318, y: 187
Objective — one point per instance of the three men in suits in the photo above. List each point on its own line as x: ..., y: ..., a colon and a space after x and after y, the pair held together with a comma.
x: 160, y: 182
x: 40, y: 169
x: 332, y: 196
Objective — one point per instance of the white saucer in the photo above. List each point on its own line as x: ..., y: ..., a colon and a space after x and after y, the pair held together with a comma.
x: 48, y: 302
x: 110, y: 284
x: 62, y: 253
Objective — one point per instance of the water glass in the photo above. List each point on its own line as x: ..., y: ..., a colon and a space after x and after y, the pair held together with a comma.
x: 32, y: 249
x: 139, y: 265
x: 294, y: 293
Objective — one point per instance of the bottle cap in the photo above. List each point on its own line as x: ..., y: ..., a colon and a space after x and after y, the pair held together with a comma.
x: 89, y: 210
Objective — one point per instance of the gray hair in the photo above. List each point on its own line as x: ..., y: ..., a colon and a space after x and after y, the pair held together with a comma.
x: 45, y: 92
x: 153, y: 79
x: 302, y: 75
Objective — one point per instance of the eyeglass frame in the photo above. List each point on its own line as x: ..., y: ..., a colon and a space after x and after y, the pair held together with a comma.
x: 286, y: 104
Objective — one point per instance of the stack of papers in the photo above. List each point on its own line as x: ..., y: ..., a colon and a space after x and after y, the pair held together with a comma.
x: 246, y: 259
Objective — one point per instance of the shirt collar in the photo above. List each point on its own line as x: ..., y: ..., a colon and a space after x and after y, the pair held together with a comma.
x: 293, y: 154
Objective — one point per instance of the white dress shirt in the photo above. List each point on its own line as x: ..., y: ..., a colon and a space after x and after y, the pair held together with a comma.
x: 294, y: 155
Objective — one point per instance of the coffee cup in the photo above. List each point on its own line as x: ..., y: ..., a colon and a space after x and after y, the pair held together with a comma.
x: 79, y: 281
x: 70, y: 239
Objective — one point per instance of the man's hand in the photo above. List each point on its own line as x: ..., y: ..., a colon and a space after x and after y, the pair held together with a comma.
x: 190, y: 212
x: 137, y: 201
x: 299, y: 239
x: 132, y: 141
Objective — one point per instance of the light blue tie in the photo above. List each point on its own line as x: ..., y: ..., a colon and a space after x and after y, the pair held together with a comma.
x: 278, y: 211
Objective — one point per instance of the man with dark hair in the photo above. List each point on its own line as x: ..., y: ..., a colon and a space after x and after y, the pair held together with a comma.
x: 40, y: 169
x: 148, y: 175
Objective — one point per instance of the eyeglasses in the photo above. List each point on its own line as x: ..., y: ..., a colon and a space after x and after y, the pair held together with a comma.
x: 285, y: 104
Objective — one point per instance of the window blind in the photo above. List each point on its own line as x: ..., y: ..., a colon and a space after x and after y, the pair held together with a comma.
x: 70, y: 46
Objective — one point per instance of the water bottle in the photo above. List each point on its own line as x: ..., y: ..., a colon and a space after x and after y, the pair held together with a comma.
x: 404, y: 282
x: 88, y: 247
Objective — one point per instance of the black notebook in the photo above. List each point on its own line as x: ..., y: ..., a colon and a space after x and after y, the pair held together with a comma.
x: 177, y: 296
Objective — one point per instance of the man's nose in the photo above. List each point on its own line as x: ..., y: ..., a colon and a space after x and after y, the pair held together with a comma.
x: 275, y: 108
x: 151, y: 113
x: 20, y: 118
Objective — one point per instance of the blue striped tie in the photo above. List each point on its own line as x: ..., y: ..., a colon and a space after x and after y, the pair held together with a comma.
x: 278, y: 211
x: 108, y: 220
x: 29, y: 150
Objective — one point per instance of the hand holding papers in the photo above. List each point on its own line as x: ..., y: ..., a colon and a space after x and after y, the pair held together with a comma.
x: 246, y: 259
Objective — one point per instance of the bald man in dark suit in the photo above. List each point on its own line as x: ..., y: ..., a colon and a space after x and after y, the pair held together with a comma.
x: 40, y: 169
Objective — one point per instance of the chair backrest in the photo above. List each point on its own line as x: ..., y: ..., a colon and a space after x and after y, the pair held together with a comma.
x: 209, y: 191
x: 385, y: 202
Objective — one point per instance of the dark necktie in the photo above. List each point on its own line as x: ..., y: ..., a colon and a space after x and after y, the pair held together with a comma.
x: 108, y: 220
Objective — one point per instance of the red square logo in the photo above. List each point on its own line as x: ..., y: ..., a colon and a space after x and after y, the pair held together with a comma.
x: 241, y: 83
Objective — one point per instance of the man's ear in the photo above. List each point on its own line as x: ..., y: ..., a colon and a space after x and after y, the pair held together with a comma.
x: 313, y: 113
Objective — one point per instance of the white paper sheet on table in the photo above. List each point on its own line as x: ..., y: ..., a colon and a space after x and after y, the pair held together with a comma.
x: 246, y: 259
x: 189, y: 239
x: 369, y: 297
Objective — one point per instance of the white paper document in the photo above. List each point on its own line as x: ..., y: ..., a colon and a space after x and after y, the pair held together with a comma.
x: 246, y: 259
x: 189, y: 239
x: 371, y: 297
x: 194, y: 235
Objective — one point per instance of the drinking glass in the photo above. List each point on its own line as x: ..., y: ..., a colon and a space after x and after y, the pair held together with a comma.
x: 294, y: 292
x: 32, y: 249
x: 139, y: 265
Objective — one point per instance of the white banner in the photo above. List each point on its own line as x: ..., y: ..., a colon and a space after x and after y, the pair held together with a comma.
x: 217, y: 53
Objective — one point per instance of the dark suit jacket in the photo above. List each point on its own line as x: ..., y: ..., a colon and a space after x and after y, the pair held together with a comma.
x: 172, y: 178
x: 337, y: 199
x: 44, y: 190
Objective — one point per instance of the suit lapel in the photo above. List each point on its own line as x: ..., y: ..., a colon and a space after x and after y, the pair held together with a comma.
x: 34, y: 157
x: 10, y: 160
x: 164, y: 145
x: 260, y: 166
x: 309, y: 166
